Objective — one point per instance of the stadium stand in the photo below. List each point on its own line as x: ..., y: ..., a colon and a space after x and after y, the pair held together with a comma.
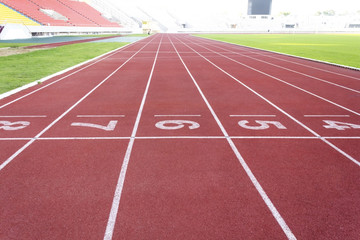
x: 73, y: 17
x: 32, y: 10
x: 59, y: 13
x: 111, y: 11
x: 87, y: 11
x: 8, y: 15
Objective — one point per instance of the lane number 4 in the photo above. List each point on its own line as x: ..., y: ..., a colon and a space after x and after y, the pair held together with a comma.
x: 340, y: 125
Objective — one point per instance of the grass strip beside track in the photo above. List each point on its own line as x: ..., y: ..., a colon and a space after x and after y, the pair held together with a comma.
x: 18, y: 70
x: 15, y: 45
x: 341, y: 49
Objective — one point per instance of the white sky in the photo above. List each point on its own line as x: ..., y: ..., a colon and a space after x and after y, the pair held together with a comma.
x: 311, y: 6
x: 240, y: 6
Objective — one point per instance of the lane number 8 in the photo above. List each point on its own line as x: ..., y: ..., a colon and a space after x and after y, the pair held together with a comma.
x: 13, y: 126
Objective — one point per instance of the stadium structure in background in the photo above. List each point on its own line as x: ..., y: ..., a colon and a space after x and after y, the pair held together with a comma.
x: 259, y: 7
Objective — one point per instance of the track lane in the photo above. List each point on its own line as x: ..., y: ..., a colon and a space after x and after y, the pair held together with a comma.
x: 186, y: 188
x: 324, y: 119
x: 178, y: 187
x: 8, y: 147
x: 9, y: 127
x: 116, y: 100
x: 238, y: 103
x: 83, y: 172
x: 350, y: 146
x: 109, y: 231
x: 120, y: 54
x: 288, y: 98
x: 60, y: 189
x: 54, y: 99
x: 288, y: 160
x: 233, y: 102
x: 190, y: 189
x: 172, y: 97
x: 315, y: 188
x: 342, y: 95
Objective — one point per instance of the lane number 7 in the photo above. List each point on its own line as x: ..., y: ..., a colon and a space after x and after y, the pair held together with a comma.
x: 110, y: 127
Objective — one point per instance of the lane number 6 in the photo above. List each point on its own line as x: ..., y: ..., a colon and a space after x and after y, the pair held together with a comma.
x: 176, y: 124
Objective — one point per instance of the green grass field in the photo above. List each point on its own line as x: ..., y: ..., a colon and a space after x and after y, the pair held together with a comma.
x: 342, y: 49
x: 18, y: 70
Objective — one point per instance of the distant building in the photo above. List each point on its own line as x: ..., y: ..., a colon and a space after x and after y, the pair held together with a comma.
x: 259, y: 7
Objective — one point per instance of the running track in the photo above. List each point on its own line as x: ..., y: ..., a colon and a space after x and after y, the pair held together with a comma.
x: 178, y: 137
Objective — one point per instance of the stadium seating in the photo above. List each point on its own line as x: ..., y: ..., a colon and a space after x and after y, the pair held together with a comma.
x: 8, y: 15
x: 33, y: 11
x: 74, y: 13
x: 89, y: 12
x: 74, y: 18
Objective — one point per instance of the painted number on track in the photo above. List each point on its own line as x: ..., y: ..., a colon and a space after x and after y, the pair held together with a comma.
x: 340, y: 125
x: 176, y: 124
x: 12, y: 126
x: 110, y: 127
x: 261, y: 125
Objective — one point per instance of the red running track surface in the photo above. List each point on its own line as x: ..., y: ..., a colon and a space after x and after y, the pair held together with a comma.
x: 178, y: 137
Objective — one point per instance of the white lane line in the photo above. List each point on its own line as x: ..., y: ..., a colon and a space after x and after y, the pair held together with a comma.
x: 120, y: 184
x: 178, y: 115
x: 280, y: 80
x: 98, y: 116
x: 252, y: 115
x: 165, y: 52
x: 4, y: 164
x: 288, y: 69
x: 273, y: 137
x: 180, y: 137
x: 25, y: 116
x: 326, y: 115
x: 281, y: 110
x: 252, y: 177
x: 14, y: 139
x: 349, y: 137
x: 84, y: 138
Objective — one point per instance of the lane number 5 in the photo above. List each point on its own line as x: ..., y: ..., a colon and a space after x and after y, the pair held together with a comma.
x: 262, y: 125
